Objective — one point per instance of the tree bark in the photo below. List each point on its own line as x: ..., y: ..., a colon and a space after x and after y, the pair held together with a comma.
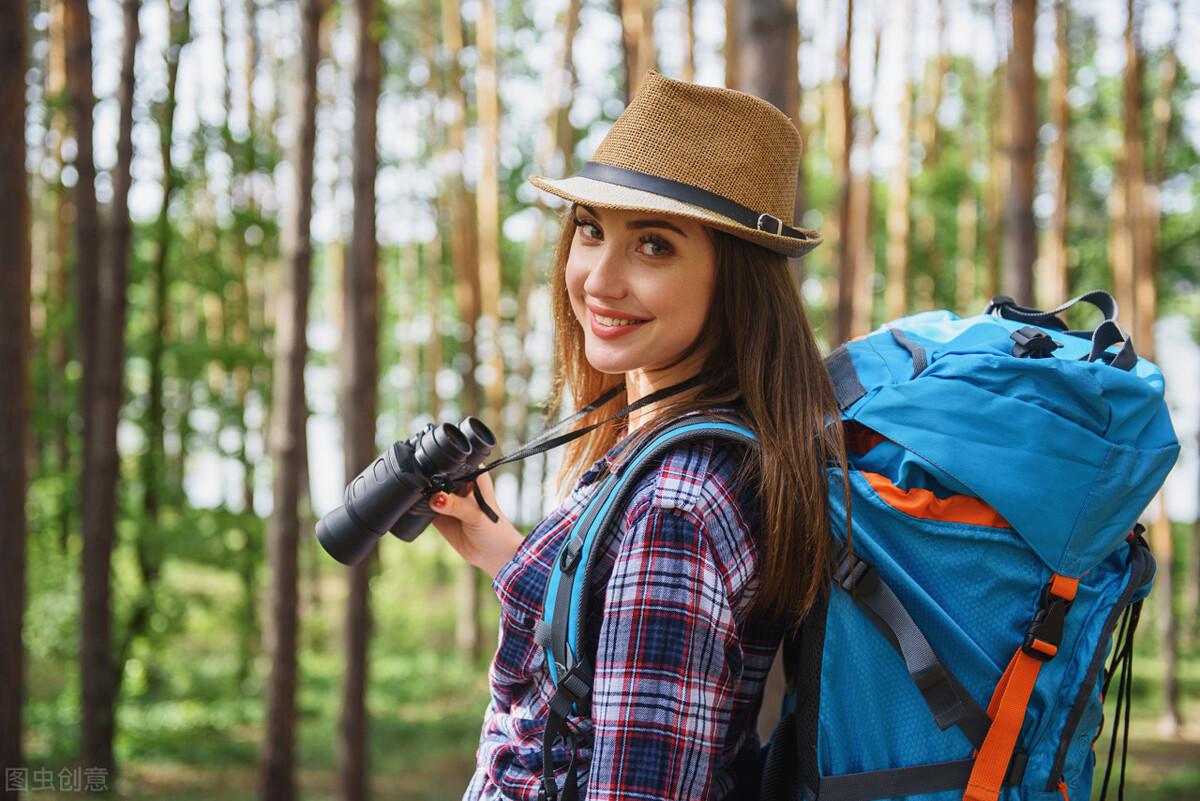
x: 488, y: 203
x: 464, y: 252
x: 277, y: 780
x: 360, y: 376
x: 689, y: 41
x: 96, y: 657
x: 847, y: 251
x: 1020, y: 249
x: 998, y: 168
x: 732, y: 48
x: 768, y: 68
x: 113, y: 301
x: 895, y: 291
x: 15, y: 353
x: 60, y: 341
x: 1056, y: 286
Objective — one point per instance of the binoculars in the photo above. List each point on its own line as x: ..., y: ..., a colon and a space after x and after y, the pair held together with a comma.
x: 392, y: 492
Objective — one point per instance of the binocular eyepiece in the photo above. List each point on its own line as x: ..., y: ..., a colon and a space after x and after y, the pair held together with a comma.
x: 392, y: 493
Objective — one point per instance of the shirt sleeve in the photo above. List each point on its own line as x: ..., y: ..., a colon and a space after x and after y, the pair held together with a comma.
x: 667, y: 663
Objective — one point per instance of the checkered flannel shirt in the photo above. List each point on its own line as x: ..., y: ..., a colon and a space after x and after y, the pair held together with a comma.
x: 680, y: 663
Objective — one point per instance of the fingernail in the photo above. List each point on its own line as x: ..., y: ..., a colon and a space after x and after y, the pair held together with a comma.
x: 439, y: 500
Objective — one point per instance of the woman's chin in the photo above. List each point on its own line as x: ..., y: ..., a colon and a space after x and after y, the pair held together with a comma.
x: 605, y: 361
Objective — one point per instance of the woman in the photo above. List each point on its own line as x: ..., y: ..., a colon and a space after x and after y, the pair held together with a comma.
x: 671, y: 267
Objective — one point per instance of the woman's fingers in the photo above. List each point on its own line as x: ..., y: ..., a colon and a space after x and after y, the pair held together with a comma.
x: 464, y: 508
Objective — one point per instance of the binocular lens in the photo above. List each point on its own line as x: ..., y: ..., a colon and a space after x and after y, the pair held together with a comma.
x: 442, y: 450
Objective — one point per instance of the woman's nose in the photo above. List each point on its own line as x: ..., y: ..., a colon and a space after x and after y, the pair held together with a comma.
x: 606, y: 278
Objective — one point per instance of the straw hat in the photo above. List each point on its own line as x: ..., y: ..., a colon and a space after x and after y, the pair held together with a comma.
x: 724, y: 158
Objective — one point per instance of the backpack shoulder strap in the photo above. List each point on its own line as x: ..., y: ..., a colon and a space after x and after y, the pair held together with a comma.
x: 564, y: 609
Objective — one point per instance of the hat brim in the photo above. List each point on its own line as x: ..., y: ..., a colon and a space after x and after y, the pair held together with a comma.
x: 591, y: 192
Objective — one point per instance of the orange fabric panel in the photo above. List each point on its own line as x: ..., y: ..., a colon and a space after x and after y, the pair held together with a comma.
x: 920, y: 502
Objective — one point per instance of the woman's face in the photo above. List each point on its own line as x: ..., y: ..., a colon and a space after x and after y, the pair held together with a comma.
x: 653, y: 273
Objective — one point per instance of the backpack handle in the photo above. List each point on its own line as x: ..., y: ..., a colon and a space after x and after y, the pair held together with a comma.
x: 1108, y: 333
x: 1006, y: 307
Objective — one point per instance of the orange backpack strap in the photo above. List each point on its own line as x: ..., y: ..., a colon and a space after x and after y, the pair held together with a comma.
x: 1011, y: 697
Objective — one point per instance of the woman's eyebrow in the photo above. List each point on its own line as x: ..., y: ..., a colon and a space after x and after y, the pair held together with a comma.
x: 632, y: 224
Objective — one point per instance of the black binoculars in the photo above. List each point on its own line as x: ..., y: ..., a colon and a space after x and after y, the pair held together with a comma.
x: 392, y: 493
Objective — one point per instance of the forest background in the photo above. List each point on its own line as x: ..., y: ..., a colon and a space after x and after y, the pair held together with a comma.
x: 251, y: 243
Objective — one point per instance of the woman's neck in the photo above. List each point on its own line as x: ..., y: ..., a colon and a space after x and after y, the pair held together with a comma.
x: 639, y: 383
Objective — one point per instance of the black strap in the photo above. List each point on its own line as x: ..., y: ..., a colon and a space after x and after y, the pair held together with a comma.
x: 1006, y: 307
x: 556, y: 727
x: 846, y: 385
x: 1108, y: 333
x: 540, y: 443
x: 947, y: 699
x: 915, y: 780
x: 719, y: 204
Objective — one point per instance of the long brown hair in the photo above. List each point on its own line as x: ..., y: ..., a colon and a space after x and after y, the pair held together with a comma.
x: 762, y: 359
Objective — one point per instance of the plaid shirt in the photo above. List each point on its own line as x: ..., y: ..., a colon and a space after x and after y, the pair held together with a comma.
x: 680, y: 663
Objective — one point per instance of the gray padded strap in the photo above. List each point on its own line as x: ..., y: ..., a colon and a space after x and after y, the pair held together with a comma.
x: 946, y: 698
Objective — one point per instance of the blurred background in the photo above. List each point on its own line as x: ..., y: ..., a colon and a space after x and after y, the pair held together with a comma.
x: 249, y: 243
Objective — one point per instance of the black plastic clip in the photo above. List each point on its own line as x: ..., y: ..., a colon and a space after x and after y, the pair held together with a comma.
x: 1047, y: 626
x: 855, y: 575
x: 1032, y: 343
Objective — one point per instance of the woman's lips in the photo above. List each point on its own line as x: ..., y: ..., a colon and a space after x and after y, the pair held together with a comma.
x: 611, y: 331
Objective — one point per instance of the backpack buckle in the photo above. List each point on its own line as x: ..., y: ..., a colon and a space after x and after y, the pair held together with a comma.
x: 1032, y: 343
x: 855, y: 575
x: 1046, y: 630
x: 570, y: 554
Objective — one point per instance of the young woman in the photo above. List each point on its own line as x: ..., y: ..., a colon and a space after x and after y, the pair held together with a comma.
x: 671, y: 267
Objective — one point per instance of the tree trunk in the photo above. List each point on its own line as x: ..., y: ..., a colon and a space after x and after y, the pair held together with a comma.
x: 1171, y: 721
x: 360, y: 376
x: 531, y: 274
x: 1020, y: 248
x: 862, y: 211
x: 15, y: 353
x: 689, y: 41
x: 768, y: 68
x: 928, y: 128
x: 732, y: 48
x: 57, y: 268
x: 847, y: 250
x: 966, y: 218
x: 488, y: 204
x: 896, y: 289
x: 111, y: 345
x: 998, y: 171
x: 464, y: 246
x: 1056, y: 286
x: 277, y: 780
x: 96, y: 720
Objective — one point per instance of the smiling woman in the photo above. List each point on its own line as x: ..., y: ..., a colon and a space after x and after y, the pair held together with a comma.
x: 641, y: 296
x: 670, y: 273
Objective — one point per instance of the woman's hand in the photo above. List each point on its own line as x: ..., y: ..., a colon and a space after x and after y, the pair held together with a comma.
x: 486, y: 545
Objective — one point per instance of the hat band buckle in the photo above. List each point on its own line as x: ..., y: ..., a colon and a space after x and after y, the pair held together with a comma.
x: 778, y: 224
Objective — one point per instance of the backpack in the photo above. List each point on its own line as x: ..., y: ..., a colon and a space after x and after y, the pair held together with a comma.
x: 998, y: 464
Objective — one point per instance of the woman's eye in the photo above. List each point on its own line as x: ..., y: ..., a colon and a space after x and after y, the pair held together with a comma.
x: 663, y: 249
x: 585, y: 224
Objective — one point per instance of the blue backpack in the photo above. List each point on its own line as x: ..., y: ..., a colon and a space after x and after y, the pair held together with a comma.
x: 998, y: 464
